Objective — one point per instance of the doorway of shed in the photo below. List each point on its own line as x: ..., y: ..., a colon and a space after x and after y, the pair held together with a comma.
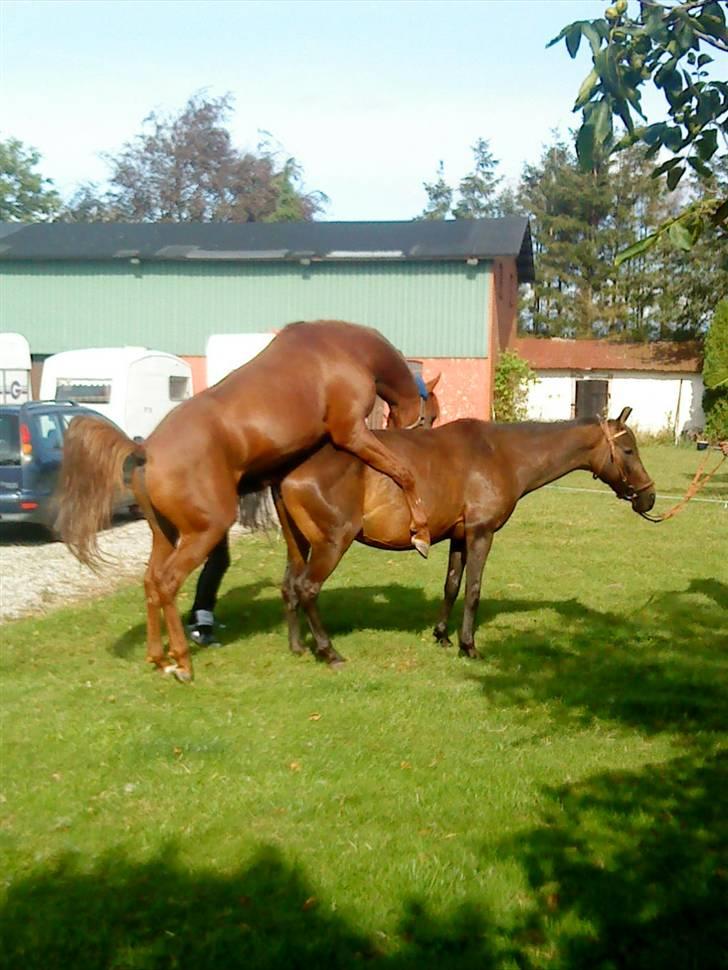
x: 592, y: 399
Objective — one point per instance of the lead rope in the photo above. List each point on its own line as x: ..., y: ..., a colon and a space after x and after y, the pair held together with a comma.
x: 694, y: 487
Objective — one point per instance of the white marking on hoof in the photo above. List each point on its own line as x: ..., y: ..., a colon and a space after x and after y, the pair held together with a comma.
x: 170, y: 669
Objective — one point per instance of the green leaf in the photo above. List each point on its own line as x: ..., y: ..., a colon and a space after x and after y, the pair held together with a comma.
x: 573, y: 39
x: 559, y: 36
x: 585, y: 146
x: 586, y: 89
x: 700, y: 167
x: 680, y: 236
x: 653, y: 133
x: 592, y: 33
x: 666, y: 166
x: 641, y: 246
x: 602, y: 122
x: 704, y: 59
x: 674, y: 176
x: 721, y: 214
x: 707, y: 144
x: 672, y: 138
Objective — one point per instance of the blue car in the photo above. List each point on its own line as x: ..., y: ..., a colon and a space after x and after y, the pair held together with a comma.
x: 31, y: 443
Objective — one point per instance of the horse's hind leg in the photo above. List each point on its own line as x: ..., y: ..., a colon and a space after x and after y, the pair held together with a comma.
x: 478, y: 542
x: 352, y: 434
x: 191, y: 551
x: 162, y: 548
x: 455, y: 564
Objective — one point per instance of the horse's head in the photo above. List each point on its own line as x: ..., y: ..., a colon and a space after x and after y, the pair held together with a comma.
x: 618, y: 464
x: 420, y: 413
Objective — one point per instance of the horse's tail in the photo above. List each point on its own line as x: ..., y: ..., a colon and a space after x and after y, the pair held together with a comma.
x: 98, y: 460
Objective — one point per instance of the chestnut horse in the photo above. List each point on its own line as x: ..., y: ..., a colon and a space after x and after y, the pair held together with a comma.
x: 314, y: 380
x: 201, y: 621
x: 471, y: 475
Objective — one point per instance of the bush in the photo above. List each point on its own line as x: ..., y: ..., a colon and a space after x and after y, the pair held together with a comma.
x: 715, y: 375
x: 510, y: 390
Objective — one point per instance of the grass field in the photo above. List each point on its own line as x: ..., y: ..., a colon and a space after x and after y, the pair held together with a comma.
x: 559, y: 803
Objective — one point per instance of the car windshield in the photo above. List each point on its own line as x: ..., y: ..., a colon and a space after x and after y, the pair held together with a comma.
x: 9, y: 439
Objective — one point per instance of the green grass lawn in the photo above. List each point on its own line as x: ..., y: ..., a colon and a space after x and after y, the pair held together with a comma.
x: 558, y: 803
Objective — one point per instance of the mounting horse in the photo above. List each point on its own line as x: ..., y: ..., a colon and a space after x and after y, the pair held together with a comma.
x: 314, y: 380
x: 471, y: 475
x: 201, y: 621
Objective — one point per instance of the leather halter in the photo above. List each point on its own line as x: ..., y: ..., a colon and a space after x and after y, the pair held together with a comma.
x: 424, y: 395
x: 631, y: 492
x: 419, y: 422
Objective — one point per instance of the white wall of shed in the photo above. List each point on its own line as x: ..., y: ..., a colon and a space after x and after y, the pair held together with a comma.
x: 659, y: 402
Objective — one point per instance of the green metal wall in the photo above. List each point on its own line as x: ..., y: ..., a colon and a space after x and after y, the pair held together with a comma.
x: 426, y: 309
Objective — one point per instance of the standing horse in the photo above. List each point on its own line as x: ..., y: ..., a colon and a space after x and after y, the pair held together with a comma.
x: 471, y: 475
x: 314, y: 380
x: 202, y: 617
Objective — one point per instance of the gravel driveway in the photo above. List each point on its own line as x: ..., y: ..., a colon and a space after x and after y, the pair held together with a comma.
x: 37, y: 575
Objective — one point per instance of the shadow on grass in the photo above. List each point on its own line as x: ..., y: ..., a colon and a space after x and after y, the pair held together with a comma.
x: 630, y: 870
x: 157, y: 914
x: 244, y: 612
x: 662, y: 668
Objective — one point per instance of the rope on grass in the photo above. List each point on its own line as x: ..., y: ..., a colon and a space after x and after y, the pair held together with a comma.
x: 698, y: 482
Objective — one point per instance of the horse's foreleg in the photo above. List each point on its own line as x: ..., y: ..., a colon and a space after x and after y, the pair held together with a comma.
x: 162, y: 548
x: 360, y: 441
x: 478, y: 543
x: 455, y: 564
x: 298, y: 548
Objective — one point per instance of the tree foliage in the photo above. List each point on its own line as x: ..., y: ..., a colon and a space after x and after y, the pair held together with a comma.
x: 477, y: 195
x: 664, y: 44
x: 715, y: 375
x: 185, y: 168
x: 25, y: 196
x: 580, y: 220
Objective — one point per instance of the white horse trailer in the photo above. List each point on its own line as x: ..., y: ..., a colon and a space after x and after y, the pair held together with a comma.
x: 132, y: 386
x: 14, y: 369
x: 225, y: 352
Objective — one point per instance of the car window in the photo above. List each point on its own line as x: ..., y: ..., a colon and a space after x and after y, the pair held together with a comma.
x: 9, y: 439
x: 50, y: 430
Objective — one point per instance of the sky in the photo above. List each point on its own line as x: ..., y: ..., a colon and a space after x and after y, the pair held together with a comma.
x: 368, y: 95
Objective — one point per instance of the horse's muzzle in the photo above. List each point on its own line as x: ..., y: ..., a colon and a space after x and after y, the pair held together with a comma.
x: 643, y: 501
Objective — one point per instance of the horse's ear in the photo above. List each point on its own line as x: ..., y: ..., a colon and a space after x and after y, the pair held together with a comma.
x: 622, y: 419
x: 431, y: 385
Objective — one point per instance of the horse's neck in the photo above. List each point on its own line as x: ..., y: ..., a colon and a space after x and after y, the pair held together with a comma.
x: 552, y: 451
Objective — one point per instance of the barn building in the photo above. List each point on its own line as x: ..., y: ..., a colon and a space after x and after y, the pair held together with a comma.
x: 445, y: 293
x: 662, y: 382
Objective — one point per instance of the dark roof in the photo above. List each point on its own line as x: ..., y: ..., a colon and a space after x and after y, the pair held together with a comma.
x: 456, y: 239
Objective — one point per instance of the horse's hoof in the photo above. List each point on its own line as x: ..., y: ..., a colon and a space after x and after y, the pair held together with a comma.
x: 179, y: 673
x: 337, y: 664
x: 443, y: 641
x: 421, y: 546
x: 470, y: 652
